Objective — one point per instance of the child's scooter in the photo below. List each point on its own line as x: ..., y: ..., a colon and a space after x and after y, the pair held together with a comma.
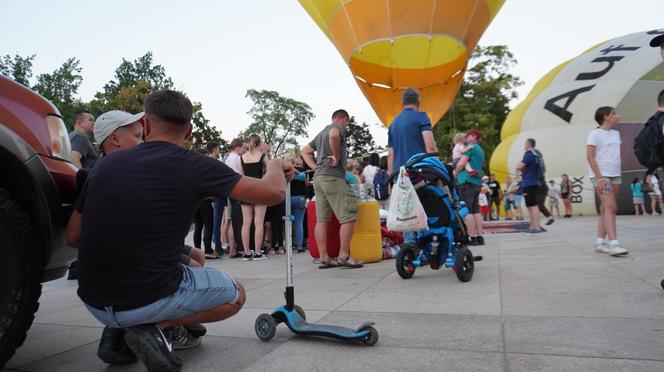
x: 293, y: 315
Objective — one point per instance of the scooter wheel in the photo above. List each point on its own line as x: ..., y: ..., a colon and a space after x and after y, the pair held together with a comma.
x: 372, y: 337
x: 300, y: 312
x: 265, y: 326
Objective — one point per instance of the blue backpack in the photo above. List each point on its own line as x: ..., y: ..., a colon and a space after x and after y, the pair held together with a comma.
x: 380, y: 185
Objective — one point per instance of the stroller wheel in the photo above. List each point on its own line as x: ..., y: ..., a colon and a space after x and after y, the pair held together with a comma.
x: 464, y: 264
x: 405, y: 258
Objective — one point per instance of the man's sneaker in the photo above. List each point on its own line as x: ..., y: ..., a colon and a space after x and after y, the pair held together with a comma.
x: 617, y: 250
x: 550, y: 221
x: 153, y: 348
x: 473, y: 241
x: 183, y: 339
x: 480, y: 240
x: 601, y: 248
x: 197, y: 330
x: 247, y: 257
x: 260, y: 257
x: 112, y: 347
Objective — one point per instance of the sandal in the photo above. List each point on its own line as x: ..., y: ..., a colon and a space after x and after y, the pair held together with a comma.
x: 346, y: 262
x: 212, y: 256
x: 331, y: 262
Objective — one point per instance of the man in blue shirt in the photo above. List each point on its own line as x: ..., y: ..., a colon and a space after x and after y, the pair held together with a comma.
x: 470, y: 185
x: 532, y: 168
x: 410, y: 132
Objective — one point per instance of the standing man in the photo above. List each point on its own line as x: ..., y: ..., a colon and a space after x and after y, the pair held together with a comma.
x: 496, y: 196
x: 543, y: 190
x: 470, y: 186
x: 531, y: 167
x: 410, y: 132
x: 217, y: 206
x: 234, y: 213
x: 83, y: 154
x: 333, y: 194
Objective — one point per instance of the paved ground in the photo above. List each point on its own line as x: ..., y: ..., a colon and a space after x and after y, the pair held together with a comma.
x: 543, y: 302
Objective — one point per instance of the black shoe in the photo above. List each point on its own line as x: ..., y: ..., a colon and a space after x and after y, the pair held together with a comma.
x: 197, y: 330
x: 300, y: 250
x: 480, y: 240
x: 153, y: 348
x: 73, y: 271
x: 474, y: 240
x: 182, y: 338
x: 550, y: 221
x: 113, y: 349
x: 542, y: 229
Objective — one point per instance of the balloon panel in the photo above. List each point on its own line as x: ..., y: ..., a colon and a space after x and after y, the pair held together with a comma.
x: 405, y: 43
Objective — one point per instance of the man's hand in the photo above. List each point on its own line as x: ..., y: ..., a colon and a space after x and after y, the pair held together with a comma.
x: 332, y: 160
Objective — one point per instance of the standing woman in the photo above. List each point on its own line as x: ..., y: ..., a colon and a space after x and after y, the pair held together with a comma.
x: 603, y: 153
x: 655, y: 192
x: 566, y: 195
x: 252, y: 164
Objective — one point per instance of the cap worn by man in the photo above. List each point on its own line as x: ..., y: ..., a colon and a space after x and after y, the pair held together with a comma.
x: 475, y: 133
x: 109, y: 122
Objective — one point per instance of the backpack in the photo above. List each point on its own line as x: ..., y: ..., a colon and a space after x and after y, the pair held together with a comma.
x: 380, y: 185
x: 649, y: 143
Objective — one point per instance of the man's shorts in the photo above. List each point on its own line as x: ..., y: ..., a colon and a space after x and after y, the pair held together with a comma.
x: 333, y: 194
x: 470, y: 194
x: 531, y: 195
x: 200, y: 289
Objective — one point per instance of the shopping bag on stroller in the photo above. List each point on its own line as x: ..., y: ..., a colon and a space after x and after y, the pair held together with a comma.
x: 406, y: 212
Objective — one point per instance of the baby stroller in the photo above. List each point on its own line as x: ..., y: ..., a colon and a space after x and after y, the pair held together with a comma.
x: 445, y: 243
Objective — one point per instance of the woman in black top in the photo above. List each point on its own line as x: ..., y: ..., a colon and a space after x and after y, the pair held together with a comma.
x: 252, y: 164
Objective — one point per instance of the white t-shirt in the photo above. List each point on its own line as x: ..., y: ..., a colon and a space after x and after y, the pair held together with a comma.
x: 233, y: 162
x: 368, y: 174
x: 607, y: 153
x: 654, y: 183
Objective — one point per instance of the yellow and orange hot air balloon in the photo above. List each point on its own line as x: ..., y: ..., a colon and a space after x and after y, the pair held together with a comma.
x: 390, y: 45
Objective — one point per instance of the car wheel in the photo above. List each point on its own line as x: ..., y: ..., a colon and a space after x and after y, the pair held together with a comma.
x: 20, y: 276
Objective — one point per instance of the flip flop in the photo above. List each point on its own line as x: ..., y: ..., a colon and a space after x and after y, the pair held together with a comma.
x: 211, y: 256
x: 344, y: 261
x: 331, y: 262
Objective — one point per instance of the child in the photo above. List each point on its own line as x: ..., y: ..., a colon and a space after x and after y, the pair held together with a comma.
x: 484, y: 198
x: 459, y: 149
x: 637, y: 196
x: 553, y: 198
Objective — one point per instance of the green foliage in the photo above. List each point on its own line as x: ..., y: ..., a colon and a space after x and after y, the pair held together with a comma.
x: 61, y: 87
x: 203, y: 131
x: 483, y: 100
x: 359, y: 140
x: 18, y: 68
x: 132, y: 84
x: 277, y: 120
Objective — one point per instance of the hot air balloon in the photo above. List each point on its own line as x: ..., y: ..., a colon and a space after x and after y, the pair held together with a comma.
x: 558, y: 113
x: 390, y: 45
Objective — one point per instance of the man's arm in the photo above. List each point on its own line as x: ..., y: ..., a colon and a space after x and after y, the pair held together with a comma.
x: 76, y: 159
x: 390, y: 160
x: 335, y: 144
x: 73, y: 230
x: 268, y: 190
x: 461, y: 164
x: 307, y: 153
x: 429, y: 141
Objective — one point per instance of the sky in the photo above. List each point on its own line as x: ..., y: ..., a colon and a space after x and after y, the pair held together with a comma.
x: 216, y: 50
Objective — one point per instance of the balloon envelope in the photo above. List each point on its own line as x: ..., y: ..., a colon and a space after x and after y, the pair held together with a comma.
x: 390, y: 45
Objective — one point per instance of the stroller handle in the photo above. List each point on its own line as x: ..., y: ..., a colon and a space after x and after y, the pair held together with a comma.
x: 417, y: 158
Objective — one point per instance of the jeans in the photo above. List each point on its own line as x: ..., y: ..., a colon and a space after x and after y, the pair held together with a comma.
x: 298, y: 207
x: 218, y: 206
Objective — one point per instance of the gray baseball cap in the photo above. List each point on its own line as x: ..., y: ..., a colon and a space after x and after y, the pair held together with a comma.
x: 108, y: 122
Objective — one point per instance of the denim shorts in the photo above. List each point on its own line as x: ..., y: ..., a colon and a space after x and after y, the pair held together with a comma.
x: 200, y: 289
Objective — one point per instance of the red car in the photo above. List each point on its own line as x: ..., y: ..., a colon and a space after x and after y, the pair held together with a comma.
x: 37, y: 192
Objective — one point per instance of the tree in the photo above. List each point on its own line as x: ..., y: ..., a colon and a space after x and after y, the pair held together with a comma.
x: 359, y: 140
x: 18, y: 68
x: 277, y: 120
x: 133, y: 83
x: 61, y: 87
x: 483, y: 100
x: 203, y: 131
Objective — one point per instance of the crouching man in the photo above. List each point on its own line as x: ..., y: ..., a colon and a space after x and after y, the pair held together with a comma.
x: 138, y: 206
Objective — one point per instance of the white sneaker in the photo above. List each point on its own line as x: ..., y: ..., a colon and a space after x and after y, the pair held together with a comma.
x: 617, y: 250
x: 602, y: 248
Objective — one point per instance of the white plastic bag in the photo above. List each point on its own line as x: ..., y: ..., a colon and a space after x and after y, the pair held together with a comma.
x: 406, y: 212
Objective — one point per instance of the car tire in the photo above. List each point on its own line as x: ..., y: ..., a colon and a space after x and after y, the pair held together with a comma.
x: 21, y: 269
